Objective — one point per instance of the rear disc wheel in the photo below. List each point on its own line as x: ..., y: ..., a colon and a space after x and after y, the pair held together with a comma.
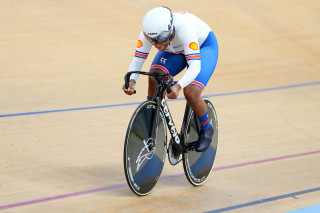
x: 198, y: 165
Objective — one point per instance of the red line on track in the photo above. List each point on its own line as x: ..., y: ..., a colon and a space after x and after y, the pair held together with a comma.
x: 75, y: 194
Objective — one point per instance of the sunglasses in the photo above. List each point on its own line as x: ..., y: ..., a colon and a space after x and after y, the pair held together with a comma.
x: 161, y: 38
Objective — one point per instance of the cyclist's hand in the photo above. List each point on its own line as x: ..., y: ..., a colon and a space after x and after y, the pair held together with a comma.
x: 130, y: 90
x: 175, y: 89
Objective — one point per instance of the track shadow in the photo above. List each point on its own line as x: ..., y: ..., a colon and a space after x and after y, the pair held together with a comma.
x: 102, y: 179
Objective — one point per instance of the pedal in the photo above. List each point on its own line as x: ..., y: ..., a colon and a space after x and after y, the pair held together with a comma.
x: 190, y: 147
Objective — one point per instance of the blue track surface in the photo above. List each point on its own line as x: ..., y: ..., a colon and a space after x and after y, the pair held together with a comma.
x: 136, y: 103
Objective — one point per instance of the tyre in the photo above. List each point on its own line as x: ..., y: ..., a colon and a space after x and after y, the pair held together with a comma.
x: 143, y: 156
x: 198, y: 165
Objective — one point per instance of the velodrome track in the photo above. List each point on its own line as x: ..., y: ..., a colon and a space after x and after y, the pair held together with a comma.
x: 63, y: 115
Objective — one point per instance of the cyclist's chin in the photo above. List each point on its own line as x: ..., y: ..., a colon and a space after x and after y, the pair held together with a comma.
x: 161, y: 47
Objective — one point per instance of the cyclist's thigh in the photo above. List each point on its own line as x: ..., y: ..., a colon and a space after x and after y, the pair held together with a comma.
x: 169, y: 62
x: 209, y: 58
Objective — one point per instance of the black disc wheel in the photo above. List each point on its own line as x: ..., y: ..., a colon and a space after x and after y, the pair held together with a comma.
x: 198, y: 165
x: 144, y: 156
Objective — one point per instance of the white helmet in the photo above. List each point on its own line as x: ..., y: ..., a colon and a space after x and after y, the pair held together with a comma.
x: 157, y: 24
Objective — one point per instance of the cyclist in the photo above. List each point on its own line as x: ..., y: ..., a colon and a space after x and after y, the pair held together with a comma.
x: 183, y: 40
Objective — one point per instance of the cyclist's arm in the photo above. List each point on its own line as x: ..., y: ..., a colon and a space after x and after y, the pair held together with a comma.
x: 192, y: 54
x: 141, y: 54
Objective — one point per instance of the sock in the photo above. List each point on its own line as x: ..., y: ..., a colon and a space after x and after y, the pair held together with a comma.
x: 204, y: 120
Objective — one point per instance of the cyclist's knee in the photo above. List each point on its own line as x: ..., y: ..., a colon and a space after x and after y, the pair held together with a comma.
x: 152, y: 83
x: 192, y: 94
x: 156, y: 70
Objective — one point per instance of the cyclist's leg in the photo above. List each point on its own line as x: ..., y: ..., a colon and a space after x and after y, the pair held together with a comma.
x: 193, y: 96
x: 165, y: 62
x: 209, y: 57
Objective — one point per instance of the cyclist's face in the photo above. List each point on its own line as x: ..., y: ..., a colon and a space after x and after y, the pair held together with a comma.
x: 163, y: 46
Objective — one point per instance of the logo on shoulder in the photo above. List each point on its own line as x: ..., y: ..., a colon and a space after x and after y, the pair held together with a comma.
x: 139, y: 44
x: 193, y: 46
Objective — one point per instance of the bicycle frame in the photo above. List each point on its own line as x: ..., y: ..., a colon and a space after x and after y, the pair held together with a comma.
x: 159, y: 98
x: 178, y: 138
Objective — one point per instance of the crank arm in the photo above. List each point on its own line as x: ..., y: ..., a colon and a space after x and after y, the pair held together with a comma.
x: 190, y: 147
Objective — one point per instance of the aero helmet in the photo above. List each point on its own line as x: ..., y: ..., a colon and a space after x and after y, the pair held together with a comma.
x: 157, y: 25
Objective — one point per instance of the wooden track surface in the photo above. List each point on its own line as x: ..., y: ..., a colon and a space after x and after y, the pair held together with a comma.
x: 69, y: 55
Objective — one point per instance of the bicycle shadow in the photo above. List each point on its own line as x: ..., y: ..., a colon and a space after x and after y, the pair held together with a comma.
x: 105, y: 180
x: 102, y: 180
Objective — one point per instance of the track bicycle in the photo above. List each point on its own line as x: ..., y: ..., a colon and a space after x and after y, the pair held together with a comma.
x: 145, y: 146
